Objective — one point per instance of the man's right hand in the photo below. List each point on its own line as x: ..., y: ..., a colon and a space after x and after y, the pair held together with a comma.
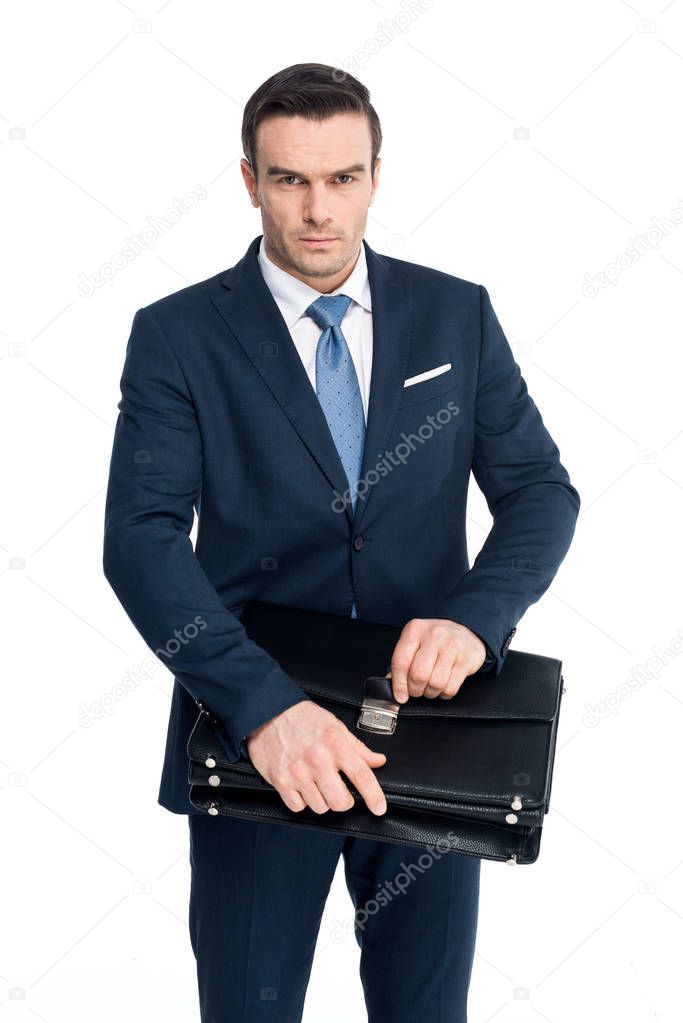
x: 301, y: 751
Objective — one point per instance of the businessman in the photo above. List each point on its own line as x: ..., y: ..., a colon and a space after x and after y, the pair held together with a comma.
x: 322, y: 406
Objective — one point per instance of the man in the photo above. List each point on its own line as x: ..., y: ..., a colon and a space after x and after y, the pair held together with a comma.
x: 322, y: 406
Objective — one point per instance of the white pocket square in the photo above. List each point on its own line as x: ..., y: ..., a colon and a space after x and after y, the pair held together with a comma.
x: 427, y: 375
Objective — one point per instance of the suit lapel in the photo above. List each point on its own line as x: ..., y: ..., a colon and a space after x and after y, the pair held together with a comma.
x: 253, y: 316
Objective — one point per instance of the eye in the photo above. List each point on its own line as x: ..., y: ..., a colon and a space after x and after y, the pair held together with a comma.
x: 288, y: 179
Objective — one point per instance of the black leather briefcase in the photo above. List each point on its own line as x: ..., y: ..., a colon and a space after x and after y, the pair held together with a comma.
x: 471, y: 774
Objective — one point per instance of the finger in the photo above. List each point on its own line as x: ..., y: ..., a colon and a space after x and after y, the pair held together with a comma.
x: 456, y: 680
x: 363, y: 778
x: 375, y: 759
x: 360, y: 747
x: 393, y: 688
x: 401, y: 659
x: 334, y: 791
x: 431, y: 692
x: 420, y: 671
x: 313, y: 797
x: 371, y: 754
x: 292, y: 799
x: 324, y: 770
x: 440, y: 685
x: 442, y: 672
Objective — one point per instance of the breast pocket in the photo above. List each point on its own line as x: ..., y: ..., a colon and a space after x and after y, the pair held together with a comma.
x: 423, y: 390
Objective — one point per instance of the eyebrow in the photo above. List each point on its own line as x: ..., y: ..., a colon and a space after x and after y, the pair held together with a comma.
x: 356, y: 168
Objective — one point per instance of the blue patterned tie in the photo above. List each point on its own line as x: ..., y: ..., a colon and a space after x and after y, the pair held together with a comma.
x: 337, y: 388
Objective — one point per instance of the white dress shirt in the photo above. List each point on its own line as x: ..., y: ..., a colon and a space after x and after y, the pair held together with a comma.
x: 293, y: 297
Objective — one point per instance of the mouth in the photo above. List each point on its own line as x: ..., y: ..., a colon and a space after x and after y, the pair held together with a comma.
x: 315, y: 243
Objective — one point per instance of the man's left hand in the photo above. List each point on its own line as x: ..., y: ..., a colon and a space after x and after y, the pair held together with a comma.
x: 433, y: 657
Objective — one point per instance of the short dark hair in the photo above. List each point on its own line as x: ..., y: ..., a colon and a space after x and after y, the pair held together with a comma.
x: 315, y: 91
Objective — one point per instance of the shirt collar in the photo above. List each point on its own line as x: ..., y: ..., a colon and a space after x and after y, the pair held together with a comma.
x: 294, y: 296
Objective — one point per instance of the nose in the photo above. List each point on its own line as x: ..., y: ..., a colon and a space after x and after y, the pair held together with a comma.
x: 316, y: 206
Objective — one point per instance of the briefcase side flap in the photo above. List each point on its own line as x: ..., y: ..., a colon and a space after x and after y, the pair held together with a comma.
x: 351, y: 650
x: 434, y: 833
x: 483, y: 767
x: 529, y: 691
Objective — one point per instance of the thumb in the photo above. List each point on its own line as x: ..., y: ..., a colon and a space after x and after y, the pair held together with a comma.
x: 399, y: 688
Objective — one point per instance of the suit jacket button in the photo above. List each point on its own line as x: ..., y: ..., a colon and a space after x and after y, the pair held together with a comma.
x: 358, y: 542
x: 507, y: 642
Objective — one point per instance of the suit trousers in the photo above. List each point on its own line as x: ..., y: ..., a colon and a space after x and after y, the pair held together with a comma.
x: 257, y: 894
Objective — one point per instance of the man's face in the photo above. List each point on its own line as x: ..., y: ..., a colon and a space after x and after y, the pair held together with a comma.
x: 313, y: 183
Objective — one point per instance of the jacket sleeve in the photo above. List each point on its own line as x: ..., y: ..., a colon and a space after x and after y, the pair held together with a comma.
x: 154, y: 484
x: 534, y: 506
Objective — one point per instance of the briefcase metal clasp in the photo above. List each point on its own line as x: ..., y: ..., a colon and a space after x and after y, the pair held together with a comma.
x: 378, y: 716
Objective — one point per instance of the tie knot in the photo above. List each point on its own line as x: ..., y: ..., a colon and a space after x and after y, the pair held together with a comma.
x: 329, y: 310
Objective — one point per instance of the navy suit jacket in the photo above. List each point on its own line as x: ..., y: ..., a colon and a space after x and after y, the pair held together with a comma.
x: 218, y: 415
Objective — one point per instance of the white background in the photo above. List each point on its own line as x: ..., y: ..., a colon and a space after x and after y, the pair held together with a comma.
x: 103, y: 124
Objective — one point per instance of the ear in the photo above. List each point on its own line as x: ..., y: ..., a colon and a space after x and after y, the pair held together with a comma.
x: 249, y: 180
x: 375, y: 180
